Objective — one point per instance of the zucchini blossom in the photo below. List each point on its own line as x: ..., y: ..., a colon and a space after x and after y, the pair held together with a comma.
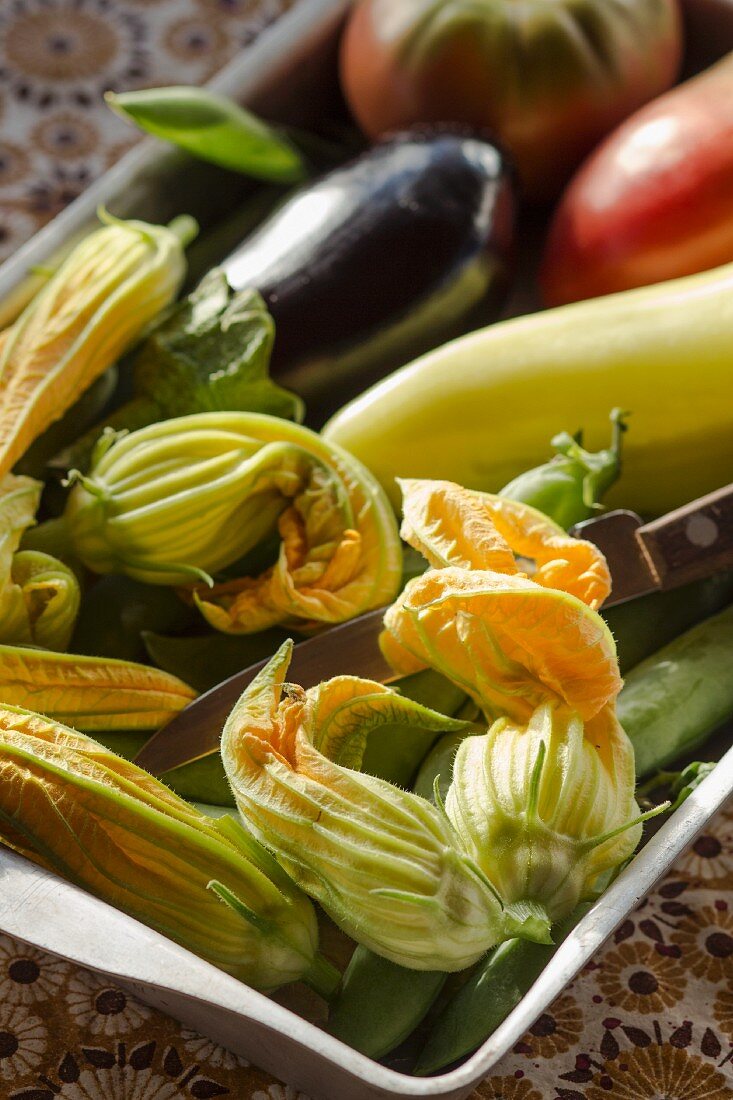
x: 113, y: 284
x: 177, y: 501
x: 386, y: 865
x: 39, y: 595
x: 74, y: 808
x: 544, y: 801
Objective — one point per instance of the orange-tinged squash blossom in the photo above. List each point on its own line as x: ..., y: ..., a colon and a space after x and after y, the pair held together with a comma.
x: 75, y: 808
x: 454, y: 526
x: 510, y: 641
x: 113, y: 284
x: 385, y: 864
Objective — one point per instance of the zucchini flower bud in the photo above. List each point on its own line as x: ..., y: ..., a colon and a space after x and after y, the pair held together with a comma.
x: 39, y: 595
x: 73, y: 807
x: 546, y: 810
x: 385, y: 864
x: 181, y: 499
x: 114, y: 283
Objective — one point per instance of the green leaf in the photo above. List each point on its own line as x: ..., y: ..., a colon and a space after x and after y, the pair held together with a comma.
x: 213, y: 353
x: 212, y: 128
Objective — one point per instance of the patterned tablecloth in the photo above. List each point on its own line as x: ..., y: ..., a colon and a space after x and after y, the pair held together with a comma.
x: 651, y: 1018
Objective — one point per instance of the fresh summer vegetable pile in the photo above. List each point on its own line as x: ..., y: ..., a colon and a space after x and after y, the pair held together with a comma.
x: 457, y: 824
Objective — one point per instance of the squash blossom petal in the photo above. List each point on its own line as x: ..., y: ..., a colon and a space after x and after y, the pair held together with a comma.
x: 112, y: 285
x: 385, y: 864
x: 74, y: 808
x: 39, y: 595
x: 544, y: 811
x: 506, y: 641
x: 179, y: 500
x: 450, y: 525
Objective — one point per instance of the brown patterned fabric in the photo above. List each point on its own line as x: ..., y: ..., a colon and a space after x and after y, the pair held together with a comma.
x: 651, y: 1018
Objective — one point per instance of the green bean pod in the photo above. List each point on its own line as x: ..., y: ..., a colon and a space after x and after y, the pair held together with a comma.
x: 642, y: 626
x: 674, y: 700
x: 496, y: 986
x: 379, y: 1003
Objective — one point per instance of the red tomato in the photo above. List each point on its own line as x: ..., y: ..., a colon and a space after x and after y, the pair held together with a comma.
x: 654, y: 201
x: 547, y: 80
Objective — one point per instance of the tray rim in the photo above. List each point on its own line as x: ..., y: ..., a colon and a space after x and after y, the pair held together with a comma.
x: 296, y: 32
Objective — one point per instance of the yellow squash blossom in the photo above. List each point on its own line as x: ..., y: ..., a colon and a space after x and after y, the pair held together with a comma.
x: 385, y: 864
x: 544, y: 800
x: 39, y: 595
x: 91, y: 310
x: 106, y: 825
x: 93, y: 693
x: 188, y: 497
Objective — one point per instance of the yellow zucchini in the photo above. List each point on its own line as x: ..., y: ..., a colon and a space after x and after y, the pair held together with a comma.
x: 481, y: 409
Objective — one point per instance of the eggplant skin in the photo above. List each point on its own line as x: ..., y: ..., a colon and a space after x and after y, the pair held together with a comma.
x: 393, y: 253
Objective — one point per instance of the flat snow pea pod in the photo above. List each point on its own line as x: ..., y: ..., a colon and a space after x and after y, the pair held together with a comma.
x: 642, y: 626
x: 675, y: 699
x: 496, y: 986
x: 212, y: 128
x: 379, y: 1003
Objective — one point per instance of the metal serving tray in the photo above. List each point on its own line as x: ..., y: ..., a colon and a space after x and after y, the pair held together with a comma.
x: 288, y: 74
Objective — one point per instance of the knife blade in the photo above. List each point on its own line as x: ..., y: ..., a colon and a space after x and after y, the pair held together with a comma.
x: 195, y: 731
x: 693, y: 542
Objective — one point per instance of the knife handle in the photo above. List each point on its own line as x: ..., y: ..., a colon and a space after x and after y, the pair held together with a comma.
x: 692, y: 542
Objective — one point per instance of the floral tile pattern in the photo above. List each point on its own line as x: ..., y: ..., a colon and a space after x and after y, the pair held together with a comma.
x: 57, y: 58
x: 651, y: 1018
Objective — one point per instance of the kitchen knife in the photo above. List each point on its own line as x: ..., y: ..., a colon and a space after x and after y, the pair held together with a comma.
x: 686, y: 545
x: 690, y: 543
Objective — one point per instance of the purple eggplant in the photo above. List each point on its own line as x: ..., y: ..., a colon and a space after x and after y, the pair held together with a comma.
x: 381, y: 259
